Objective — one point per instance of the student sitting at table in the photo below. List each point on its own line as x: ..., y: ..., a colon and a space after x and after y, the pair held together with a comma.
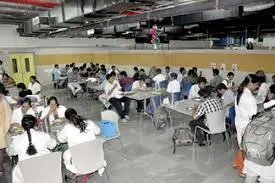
x: 149, y: 81
x: 8, y: 81
x: 114, y: 69
x: 125, y: 81
x: 264, y: 87
x: 194, y: 90
x: 11, y: 101
x: 273, y: 79
x: 167, y: 73
x: 53, y: 111
x: 136, y: 73
x: 73, y: 82
x: 114, y: 95
x: 26, y: 108
x: 35, y: 85
x: 30, y: 144
x: 181, y: 74
x: 23, y: 91
x: 217, y: 79
x: 174, y: 84
x: 76, y: 131
x: 139, y: 85
x: 159, y: 77
x: 190, y: 78
x: 208, y: 105
x: 228, y: 82
x: 227, y: 96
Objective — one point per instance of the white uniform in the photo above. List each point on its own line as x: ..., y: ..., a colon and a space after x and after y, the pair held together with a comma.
x: 159, y: 78
x: 35, y: 88
x: 136, y: 85
x: 173, y: 86
x: 17, y: 115
x: 60, y: 112
x: 42, y: 143
x: 73, y: 136
x: 246, y: 108
x: 262, y: 93
x: 193, y: 92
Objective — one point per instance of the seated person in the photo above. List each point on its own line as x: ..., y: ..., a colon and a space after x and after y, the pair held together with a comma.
x: 217, y: 79
x: 273, y: 79
x: 8, y: 81
x: 149, y: 81
x: 208, y: 105
x: 26, y: 108
x: 167, y: 73
x: 194, y: 90
x: 190, y: 78
x: 114, y: 69
x: 114, y: 95
x: 227, y: 96
x: 136, y: 73
x: 102, y: 75
x: 35, y: 86
x: 23, y: 91
x: 125, y: 81
x: 139, y: 85
x: 76, y: 131
x: 228, y: 82
x: 53, y: 111
x: 73, y: 82
x: 30, y: 144
x: 9, y: 99
x: 159, y: 77
x: 181, y: 74
x: 174, y: 85
x: 264, y: 87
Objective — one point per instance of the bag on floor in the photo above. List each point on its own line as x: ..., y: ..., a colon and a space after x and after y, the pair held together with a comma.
x: 258, y: 139
x: 108, y: 128
x: 182, y: 137
x: 160, y: 117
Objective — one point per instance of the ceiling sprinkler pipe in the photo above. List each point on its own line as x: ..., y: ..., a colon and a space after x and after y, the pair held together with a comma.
x: 48, y: 3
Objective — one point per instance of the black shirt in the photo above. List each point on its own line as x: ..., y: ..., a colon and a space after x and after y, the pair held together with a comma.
x: 24, y: 93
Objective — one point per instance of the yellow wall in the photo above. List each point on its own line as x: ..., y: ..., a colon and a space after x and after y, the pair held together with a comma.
x: 246, y: 62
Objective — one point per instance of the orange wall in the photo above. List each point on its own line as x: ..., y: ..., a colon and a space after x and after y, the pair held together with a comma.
x: 246, y: 62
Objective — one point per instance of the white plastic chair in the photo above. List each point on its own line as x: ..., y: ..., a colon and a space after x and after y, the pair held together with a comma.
x: 88, y: 157
x: 42, y: 169
x: 110, y: 115
x: 215, y: 123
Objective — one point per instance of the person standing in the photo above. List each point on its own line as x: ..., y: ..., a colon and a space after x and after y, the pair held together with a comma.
x: 56, y: 75
x: 5, y: 118
x: 73, y: 82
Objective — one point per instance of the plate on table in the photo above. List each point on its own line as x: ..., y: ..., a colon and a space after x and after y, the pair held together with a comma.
x: 189, y: 108
x: 16, y: 129
x: 60, y: 120
x: 128, y: 93
x: 197, y: 99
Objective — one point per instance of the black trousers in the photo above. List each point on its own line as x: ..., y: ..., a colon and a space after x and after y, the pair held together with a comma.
x: 117, y: 103
x: 199, y: 134
x: 140, y: 104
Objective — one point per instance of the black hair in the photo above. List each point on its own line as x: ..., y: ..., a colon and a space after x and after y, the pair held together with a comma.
x: 273, y: 76
x: 35, y: 79
x: 102, y: 66
x: 182, y: 69
x: 53, y: 98
x: 205, y: 92
x: 174, y: 75
x: 249, y: 78
x: 113, y: 66
x: 272, y: 89
x: 113, y: 73
x: 135, y: 68
x: 221, y: 86
x: 26, y: 100
x: 89, y: 69
x: 230, y: 74
x: 142, y: 70
x: 167, y: 67
x: 75, y: 119
x: 216, y: 71
x: 104, y: 70
x: 28, y: 123
x: 261, y: 75
x: 1, y: 62
x: 108, y: 76
x: 55, y: 65
x: 158, y: 71
x: 194, y: 68
x: 123, y: 73
x: 3, y: 89
x: 201, y: 80
x: 67, y: 65
x: 190, y: 72
x: 21, y: 86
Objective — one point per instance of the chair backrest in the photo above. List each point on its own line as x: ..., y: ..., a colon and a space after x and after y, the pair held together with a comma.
x: 216, y: 122
x: 163, y: 84
x: 111, y: 116
x: 128, y: 87
x: 42, y: 169
x: 88, y: 157
x: 174, y: 97
x: 186, y: 88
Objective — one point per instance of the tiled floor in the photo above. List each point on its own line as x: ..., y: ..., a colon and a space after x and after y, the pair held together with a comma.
x: 147, y: 156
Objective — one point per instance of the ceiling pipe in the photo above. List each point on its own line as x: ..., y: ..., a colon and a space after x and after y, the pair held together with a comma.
x: 22, y: 6
x: 48, y: 3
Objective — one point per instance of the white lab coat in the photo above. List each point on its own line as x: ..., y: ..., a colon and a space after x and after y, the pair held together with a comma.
x: 262, y: 93
x: 41, y: 141
x: 35, y: 88
x: 194, y: 90
x: 73, y: 136
x: 17, y: 115
x: 246, y: 108
x: 60, y: 112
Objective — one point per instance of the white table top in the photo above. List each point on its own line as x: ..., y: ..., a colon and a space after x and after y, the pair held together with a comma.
x: 184, y: 106
x: 142, y: 95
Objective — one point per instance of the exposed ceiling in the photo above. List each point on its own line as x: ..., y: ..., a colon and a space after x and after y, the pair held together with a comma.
x: 178, y: 19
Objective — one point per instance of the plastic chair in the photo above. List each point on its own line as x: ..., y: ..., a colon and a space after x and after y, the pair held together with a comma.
x: 232, y: 114
x: 173, y: 97
x: 215, y: 123
x: 50, y: 170
x: 185, y: 89
x: 88, y: 157
x: 112, y: 116
x: 163, y: 84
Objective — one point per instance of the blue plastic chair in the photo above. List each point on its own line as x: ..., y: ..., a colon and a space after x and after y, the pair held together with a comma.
x: 185, y: 89
x: 151, y: 108
x: 232, y: 114
x: 128, y: 88
x: 163, y: 84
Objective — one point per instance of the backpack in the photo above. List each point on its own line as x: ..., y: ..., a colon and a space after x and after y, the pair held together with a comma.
x: 182, y: 137
x: 160, y: 117
x: 258, y: 139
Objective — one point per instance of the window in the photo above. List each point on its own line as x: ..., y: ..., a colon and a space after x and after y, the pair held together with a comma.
x: 27, y: 64
x: 14, y: 65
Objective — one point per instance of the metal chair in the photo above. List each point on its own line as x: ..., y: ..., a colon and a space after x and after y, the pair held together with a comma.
x: 215, y: 123
x: 88, y: 157
x: 49, y: 171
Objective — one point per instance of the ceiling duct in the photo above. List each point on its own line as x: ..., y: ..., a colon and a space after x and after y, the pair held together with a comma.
x: 258, y: 7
